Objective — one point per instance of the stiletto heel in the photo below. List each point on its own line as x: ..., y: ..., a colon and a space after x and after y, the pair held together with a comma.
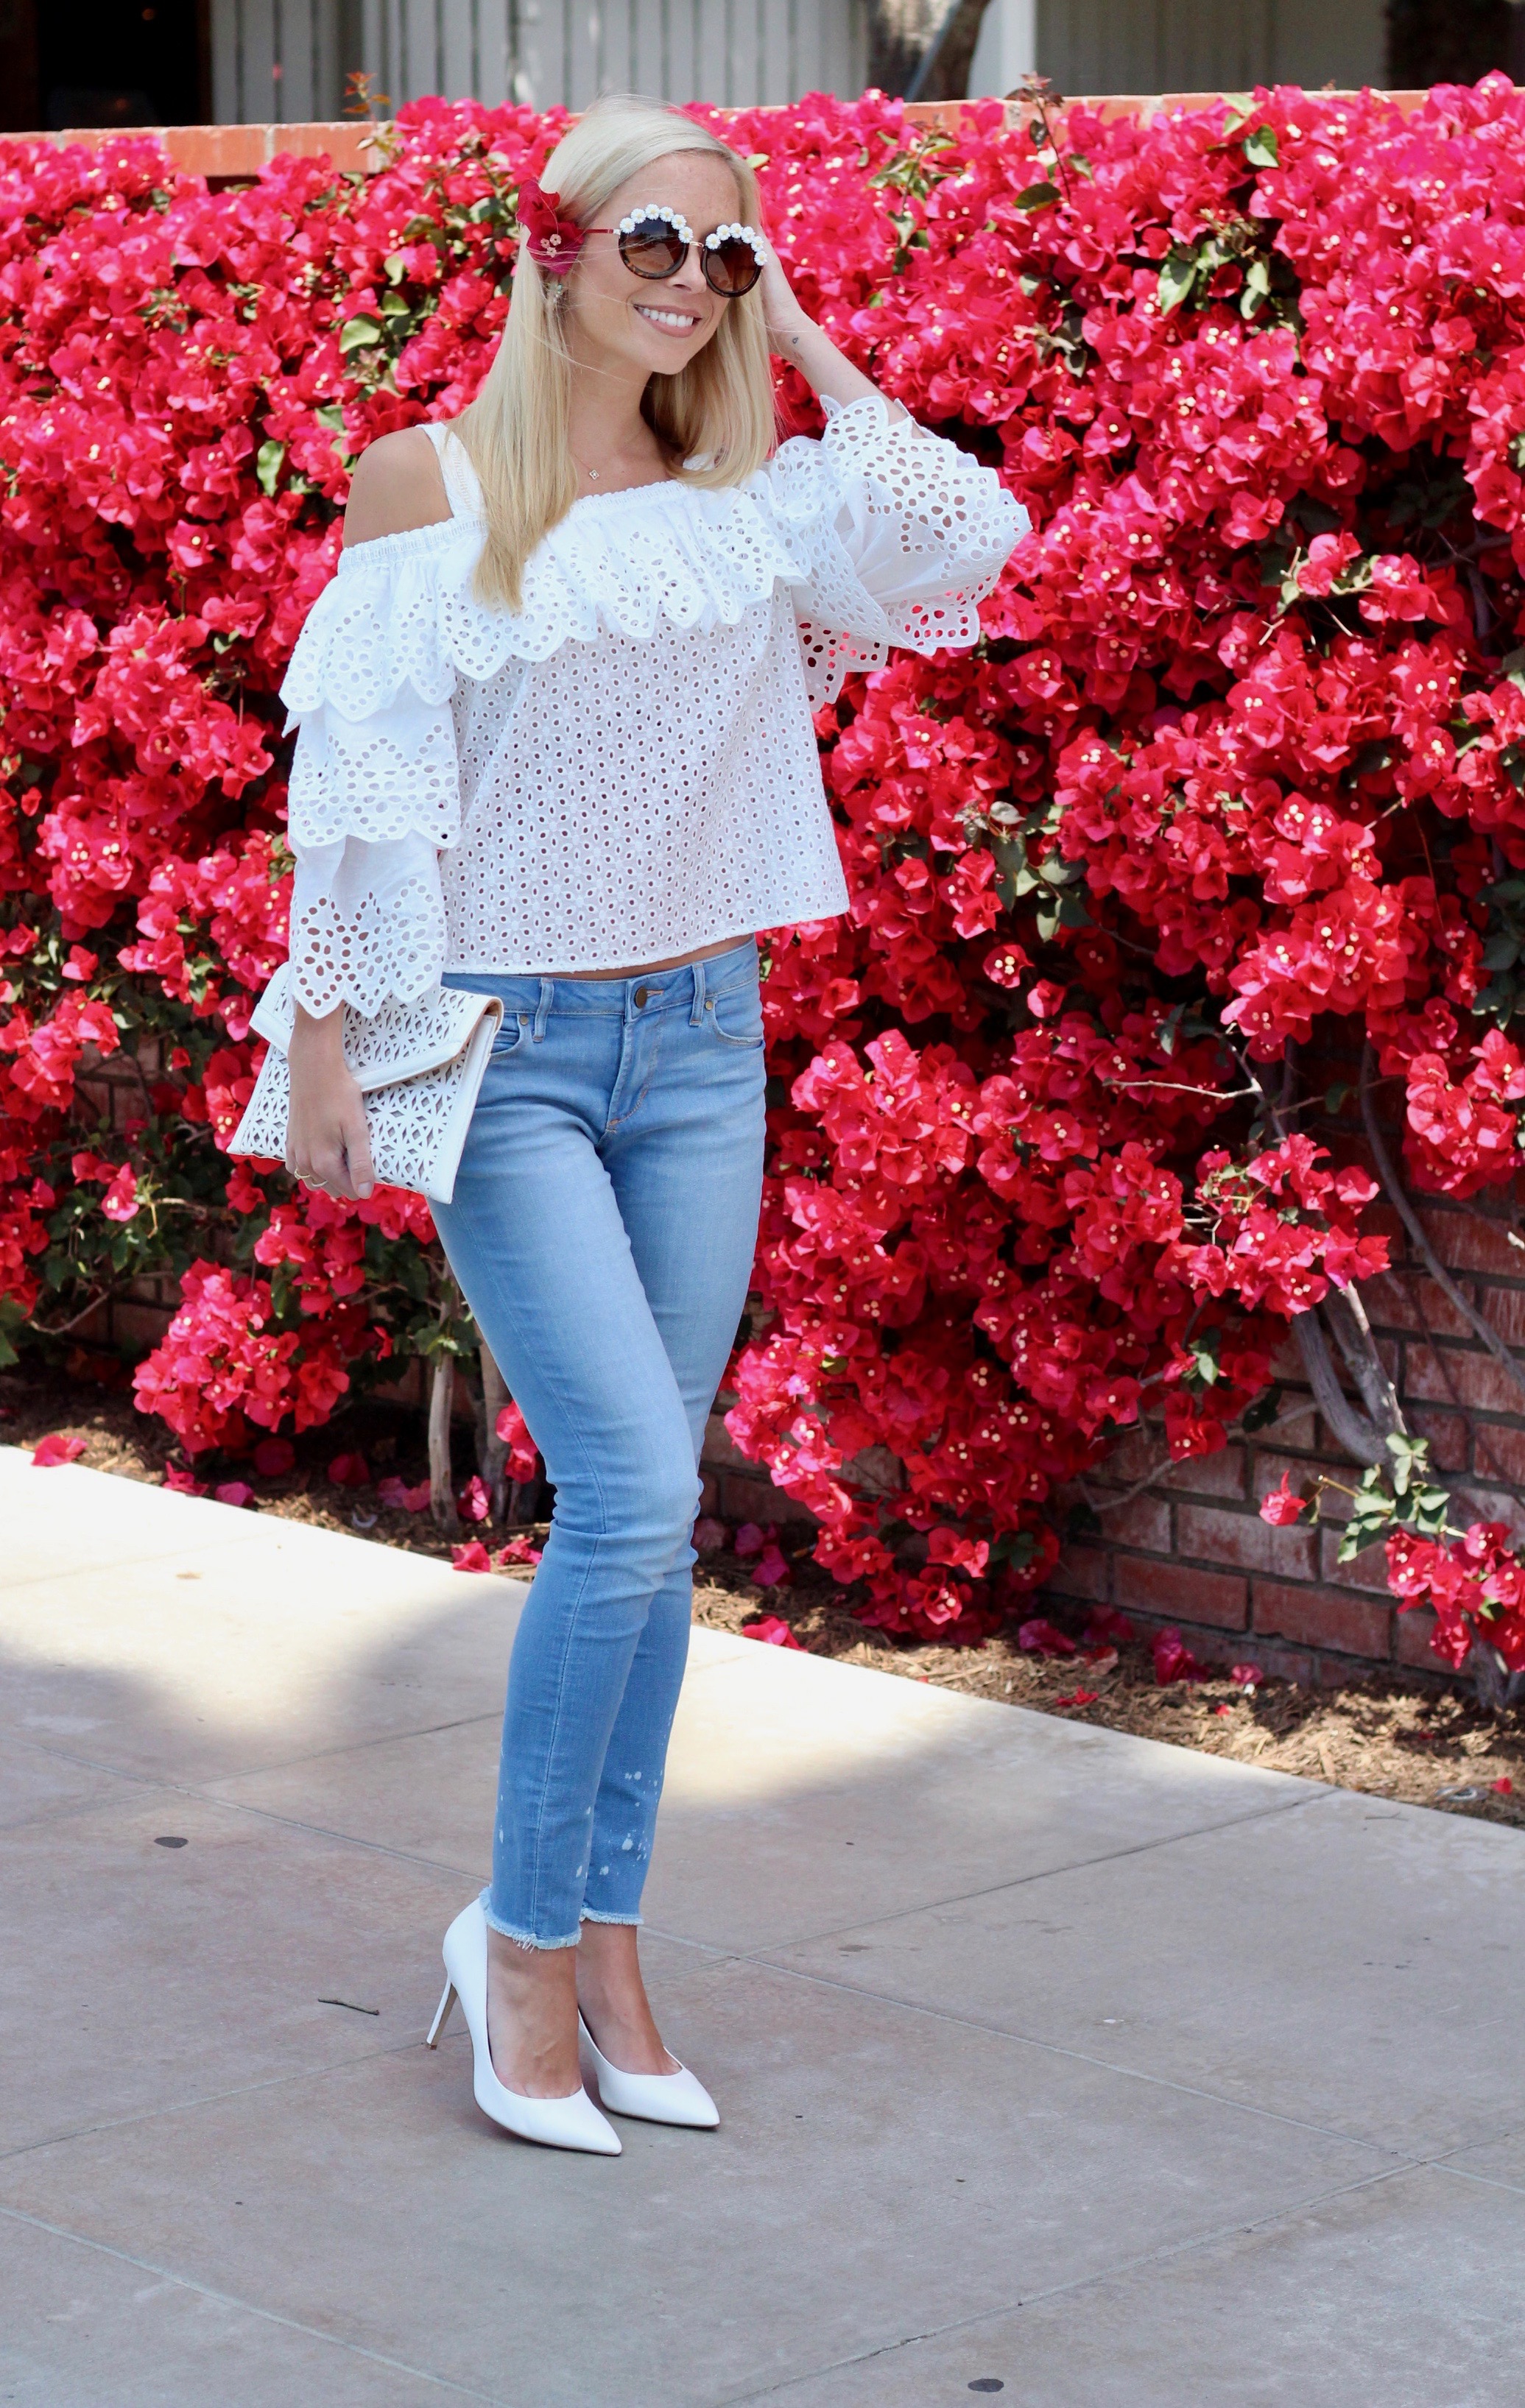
x: 570, y: 2122
x: 436, y: 2029
x: 678, y: 2098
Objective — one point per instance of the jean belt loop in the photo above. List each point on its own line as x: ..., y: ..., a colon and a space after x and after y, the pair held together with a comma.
x: 697, y: 1013
x: 542, y: 1012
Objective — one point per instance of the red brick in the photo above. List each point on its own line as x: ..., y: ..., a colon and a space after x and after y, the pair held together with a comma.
x: 1499, y: 1453
x: 1136, y: 1452
x: 1368, y: 1570
x: 1176, y: 1591
x: 1503, y: 1309
x: 137, y: 1325
x: 1324, y: 1617
x: 1142, y: 1522
x: 1245, y: 1542
x: 758, y: 1500
x: 1447, y: 1433
x: 1416, y: 1304
x: 1210, y: 1475
x: 1455, y: 1375
x: 709, y: 1494
x: 1286, y: 1362
x: 1081, y: 1572
x: 1466, y: 1243
x: 1411, y: 1636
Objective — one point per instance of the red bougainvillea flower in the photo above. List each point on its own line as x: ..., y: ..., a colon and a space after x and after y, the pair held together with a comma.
x: 1173, y: 1660
x: 274, y: 1458
x: 554, y: 240
x: 772, y: 1630
x: 471, y: 1557
x: 397, y: 1494
x: 54, y: 1449
x: 518, y: 1551
x: 1282, y: 1505
x: 1040, y: 1637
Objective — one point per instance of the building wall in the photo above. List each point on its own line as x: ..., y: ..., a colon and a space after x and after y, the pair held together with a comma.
x: 1145, y: 45
x: 288, y: 60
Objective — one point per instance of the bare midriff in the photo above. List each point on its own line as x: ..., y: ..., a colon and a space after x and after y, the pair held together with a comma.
x: 640, y: 970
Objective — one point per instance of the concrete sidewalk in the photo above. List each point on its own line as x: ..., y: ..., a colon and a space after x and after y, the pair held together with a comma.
x: 1049, y: 2060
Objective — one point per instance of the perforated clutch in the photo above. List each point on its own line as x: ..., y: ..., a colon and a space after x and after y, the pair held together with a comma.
x: 418, y: 1066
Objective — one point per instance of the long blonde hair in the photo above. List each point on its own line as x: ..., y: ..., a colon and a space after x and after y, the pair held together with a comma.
x: 715, y: 418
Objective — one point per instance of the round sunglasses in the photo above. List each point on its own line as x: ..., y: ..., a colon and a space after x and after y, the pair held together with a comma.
x: 655, y: 242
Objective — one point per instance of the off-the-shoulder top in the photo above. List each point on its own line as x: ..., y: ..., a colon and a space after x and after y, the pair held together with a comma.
x: 625, y: 768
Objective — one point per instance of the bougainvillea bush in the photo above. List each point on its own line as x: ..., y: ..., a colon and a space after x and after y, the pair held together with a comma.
x: 1237, y: 772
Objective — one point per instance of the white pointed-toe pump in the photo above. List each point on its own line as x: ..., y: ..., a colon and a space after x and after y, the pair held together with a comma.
x: 678, y: 2098
x: 570, y: 2122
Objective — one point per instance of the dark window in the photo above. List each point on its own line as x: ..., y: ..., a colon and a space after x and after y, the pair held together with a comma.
x: 120, y: 63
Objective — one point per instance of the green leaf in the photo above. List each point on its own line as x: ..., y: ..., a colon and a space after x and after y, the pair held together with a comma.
x: 1178, y: 278
x: 1260, y: 148
x: 1256, y: 291
x: 1037, y: 197
x: 267, y: 465
x: 1263, y: 1412
x: 358, y: 335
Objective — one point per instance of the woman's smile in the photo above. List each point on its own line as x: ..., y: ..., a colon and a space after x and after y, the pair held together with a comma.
x: 672, y: 322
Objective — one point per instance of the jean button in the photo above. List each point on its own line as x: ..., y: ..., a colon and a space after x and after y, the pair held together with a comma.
x: 640, y: 997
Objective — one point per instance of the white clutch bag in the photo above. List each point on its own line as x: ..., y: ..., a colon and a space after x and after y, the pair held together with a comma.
x: 419, y: 1066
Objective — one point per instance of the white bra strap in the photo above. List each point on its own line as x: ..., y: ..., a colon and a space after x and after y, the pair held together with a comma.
x: 462, y: 490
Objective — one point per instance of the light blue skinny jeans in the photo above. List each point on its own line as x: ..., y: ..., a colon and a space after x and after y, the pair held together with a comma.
x: 602, y: 1232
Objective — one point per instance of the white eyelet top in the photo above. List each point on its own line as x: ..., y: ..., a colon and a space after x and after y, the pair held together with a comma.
x: 624, y: 768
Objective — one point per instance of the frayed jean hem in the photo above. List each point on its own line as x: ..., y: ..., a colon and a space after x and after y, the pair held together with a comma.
x: 522, y: 1938
x: 590, y: 1916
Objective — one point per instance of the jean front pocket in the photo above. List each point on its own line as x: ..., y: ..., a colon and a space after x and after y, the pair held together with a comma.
x: 512, y: 1032
x: 736, y: 1017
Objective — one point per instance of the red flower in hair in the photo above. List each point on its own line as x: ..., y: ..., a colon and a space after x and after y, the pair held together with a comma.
x: 555, y: 241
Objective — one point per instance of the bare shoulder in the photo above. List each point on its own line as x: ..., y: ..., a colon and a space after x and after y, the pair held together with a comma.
x: 397, y: 485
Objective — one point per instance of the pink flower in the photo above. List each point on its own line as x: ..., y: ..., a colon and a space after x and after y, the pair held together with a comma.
x: 350, y: 1470
x: 55, y: 1448
x: 475, y: 1503
x: 518, y: 1551
x: 234, y: 1492
x: 274, y: 1458
x: 1173, y: 1660
x: 471, y: 1557
x: 397, y: 1494
x: 1040, y: 1637
x: 771, y: 1631
x: 1282, y: 1505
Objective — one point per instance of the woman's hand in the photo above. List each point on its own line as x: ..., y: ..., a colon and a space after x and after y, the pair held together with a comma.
x: 799, y: 340
x: 328, y: 1142
x: 786, y: 321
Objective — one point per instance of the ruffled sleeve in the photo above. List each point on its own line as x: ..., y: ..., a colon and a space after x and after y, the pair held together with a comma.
x: 901, y: 536
x: 375, y: 785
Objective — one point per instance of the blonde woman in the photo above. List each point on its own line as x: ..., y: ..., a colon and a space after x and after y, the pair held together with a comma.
x: 556, y: 745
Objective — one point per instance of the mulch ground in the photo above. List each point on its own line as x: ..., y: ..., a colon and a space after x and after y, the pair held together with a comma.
x: 1424, y: 1745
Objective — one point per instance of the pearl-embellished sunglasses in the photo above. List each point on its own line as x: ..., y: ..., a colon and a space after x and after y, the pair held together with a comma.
x: 655, y: 242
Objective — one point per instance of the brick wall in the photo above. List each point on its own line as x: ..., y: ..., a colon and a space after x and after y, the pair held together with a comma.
x: 1190, y: 1547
